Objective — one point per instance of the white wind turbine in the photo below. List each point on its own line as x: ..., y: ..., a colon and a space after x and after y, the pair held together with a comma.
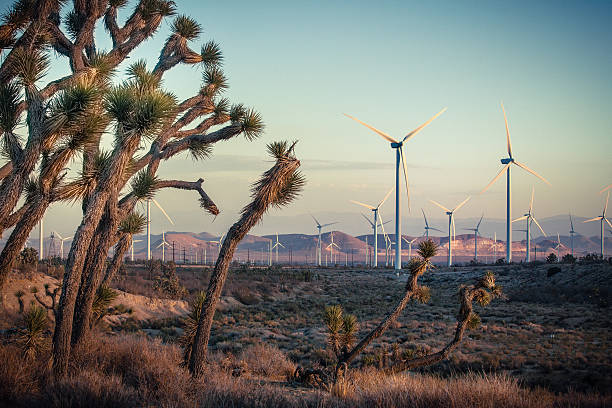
x: 62, y: 240
x: 331, y: 248
x: 41, y: 239
x: 451, y: 226
x: 375, y: 223
x: 149, y: 223
x: 399, y: 158
x: 530, y: 218
x: 319, y: 228
x: 476, y: 232
x: 558, y: 246
x: 605, y: 188
x: 507, y: 162
x: 427, y: 227
x: 218, y: 242
x: 276, y: 245
x: 163, y: 246
x: 601, y: 220
x: 388, y: 242
x: 410, y: 246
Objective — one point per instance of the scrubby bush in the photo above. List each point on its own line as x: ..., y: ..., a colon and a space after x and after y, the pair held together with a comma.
x: 551, y: 258
x: 168, y: 284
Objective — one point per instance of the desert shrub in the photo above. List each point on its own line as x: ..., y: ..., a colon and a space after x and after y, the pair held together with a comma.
x: 267, y: 360
x: 500, y: 261
x: 568, y: 259
x: 551, y: 258
x: 28, y: 256
x: 168, y: 284
x: 31, y: 338
x: 590, y: 259
x: 18, y: 374
x: 553, y: 270
x: 245, y: 296
x: 19, y: 295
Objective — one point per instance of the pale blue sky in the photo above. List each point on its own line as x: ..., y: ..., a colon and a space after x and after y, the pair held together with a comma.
x: 394, y: 64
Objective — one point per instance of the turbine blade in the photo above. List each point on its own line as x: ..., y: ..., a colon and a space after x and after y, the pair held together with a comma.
x: 478, y: 225
x: 508, y: 143
x: 281, y: 245
x: 606, y: 206
x: 496, y: 177
x: 571, y: 222
x: 380, y: 132
x: 435, y: 229
x: 593, y: 219
x: 162, y: 210
x: 608, y: 221
x: 315, y: 220
x: 462, y: 203
x: 519, y: 218
x: 58, y: 235
x: 382, y: 224
x: 531, y: 202
x: 405, y: 175
x: 417, y: 130
x: 441, y: 206
x: 539, y: 226
x: 385, y: 199
x: 605, y: 188
x: 362, y: 204
x: 426, y: 224
x: 532, y: 172
x: 328, y: 224
x: 368, y: 220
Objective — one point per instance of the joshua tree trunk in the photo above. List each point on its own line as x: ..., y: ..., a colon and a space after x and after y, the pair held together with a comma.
x: 120, y: 249
x: 19, y: 236
x: 268, y: 192
x: 78, y: 251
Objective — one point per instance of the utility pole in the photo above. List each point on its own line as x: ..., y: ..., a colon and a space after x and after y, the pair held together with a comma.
x: 248, y: 256
x: 184, y: 257
x: 172, y: 251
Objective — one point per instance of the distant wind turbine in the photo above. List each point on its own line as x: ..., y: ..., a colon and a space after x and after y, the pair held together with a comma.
x: 558, y: 246
x: 163, y: 246
x: 427, y: 227
x: 276, y: 245
x: 451, y: 226
x: 134, y: 240
x: 507, y: 162
x: 61, y: 243
x: 41, y: 238
x: 399, y: 158
x: 601, y: 220
x: 331, y: 248
x: 476, y: 232
x: 410, y: 246
x: 149, y: 223
x: 530, y: 218
x: 375, y: 223
x: 319, y: 227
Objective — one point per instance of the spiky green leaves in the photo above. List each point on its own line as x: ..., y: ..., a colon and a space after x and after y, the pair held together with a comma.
x: 70, y: 110
x: 191, y: 325
x: 9, y: 99
x: 117, y: 3
x: 102, y: 301
x: 133, y: 223
x: 214, y: 78
x: 31, y: 338
x: 211, y: 54
x: 200, y: 150
x: 252, y: 125
x: 144, y: 185
x: 186, y: 27
x: 291, y: 189
x: 74, y: 21
x: 341, y: 328
x: 427, y: 249
x: 28, y: 66
x: 149, y: 9
x: 141, y: 77
x: 473, y: 321
x: 422, y: 294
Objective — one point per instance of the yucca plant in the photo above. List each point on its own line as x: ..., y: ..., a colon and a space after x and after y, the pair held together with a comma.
x: 341, y: 329
x: 191, y: 325
x: 31, y: 338
x: 102, y: 301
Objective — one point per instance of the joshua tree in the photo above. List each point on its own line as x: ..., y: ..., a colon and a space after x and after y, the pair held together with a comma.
x: 483, y: 291
x: 341, y: 329
x: 278, y: 186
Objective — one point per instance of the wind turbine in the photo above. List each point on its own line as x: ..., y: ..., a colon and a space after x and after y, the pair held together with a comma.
x: 572, y: 232
x: 601, y: 219
x: 163, y: 246
x: 331, y: 248
x: 410, y: 247
x: 319, y: 227
x: 451, y: 226
x: 218, y: 242
x: 399, y: 158
x: 41, y: 238
x: 375, y: 223
x: 134, y: 240
x: 61, y: 243
x: 427, y: 227
x: 149, y: 223
x: 507, y: 162
x: 276, y: 245
x: 559, y: 245
x: 605, y: 188
x: 530, y: 218
x: 476, y: 232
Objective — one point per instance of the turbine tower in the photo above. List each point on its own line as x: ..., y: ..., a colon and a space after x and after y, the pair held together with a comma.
x: 530, y: 218
x: 149, y: 223
x: 375, y: 223
x: 410, y: 246
x: 61, y: 243
x: 134, y: 240
x: 163, y: 246
x: 601, y: 220
x: 319, y: 227
x: 427, y: 227
x: 571, y: 233
x: 507, y: 162
x: 451, y: 226
x: 399, y: 158
x: 476, y: 232
x: 40, y: 239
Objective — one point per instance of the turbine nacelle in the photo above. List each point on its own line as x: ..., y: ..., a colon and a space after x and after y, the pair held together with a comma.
x: 507, y: 160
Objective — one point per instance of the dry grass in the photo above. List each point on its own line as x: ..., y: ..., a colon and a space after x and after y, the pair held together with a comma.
x: 126, y: 371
